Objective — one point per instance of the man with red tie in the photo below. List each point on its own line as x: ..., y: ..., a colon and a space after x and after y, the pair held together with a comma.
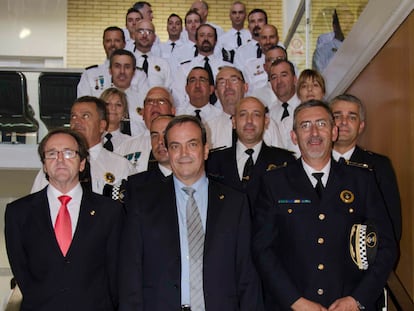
x: 62, y: 241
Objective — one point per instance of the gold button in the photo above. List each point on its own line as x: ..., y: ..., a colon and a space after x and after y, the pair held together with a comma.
x: 351, y: 210
x: 321, y: 216
x: 290, y: 211
x: 321, y: 240
x: 321, y: 267
x: 320, y: 291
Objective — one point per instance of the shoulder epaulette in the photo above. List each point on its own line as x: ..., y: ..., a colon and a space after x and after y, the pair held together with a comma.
x: 139, y: 68
x: 357, y: 164
x: 272, y: 167
x: 218, y: 148
x: 90, y: 67
x: 185, y: 62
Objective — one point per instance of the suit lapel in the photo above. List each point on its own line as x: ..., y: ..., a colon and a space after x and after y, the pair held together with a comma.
x: 215, y: 204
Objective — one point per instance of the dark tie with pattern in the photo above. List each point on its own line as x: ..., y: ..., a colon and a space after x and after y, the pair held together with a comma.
x: 258, y: 51
x: 145, y: 64
x: 247, y: 166
x: 197, y: 112
x: 285, y: 111
x: 108, y: 144
x: 172, y: 46
x: 319, y: 185
x: 239, y: 40
x: 195, y: 235
x: 207, y: 67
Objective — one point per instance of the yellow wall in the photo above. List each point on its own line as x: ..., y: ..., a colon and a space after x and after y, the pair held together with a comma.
x: 86, y: 20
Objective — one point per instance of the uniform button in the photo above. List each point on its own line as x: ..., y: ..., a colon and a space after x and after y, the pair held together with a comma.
x: 321, y: 240
x: 321, y: 267
x: 351, y: 210
x: 321, y: 216
x: 290, y: 211
x: 320, y: 291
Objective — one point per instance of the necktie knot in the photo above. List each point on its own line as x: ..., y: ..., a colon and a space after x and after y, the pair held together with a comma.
x: 319, y: 185
x: 108, y: 145
x: 189, y: 191
x: 64, y: 199
x: 206, y: 59
x: 247, y: 166
x: 285, y: 110
x: 249, y: 151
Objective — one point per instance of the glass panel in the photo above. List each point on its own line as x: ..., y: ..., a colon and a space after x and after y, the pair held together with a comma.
x: 320, y: 31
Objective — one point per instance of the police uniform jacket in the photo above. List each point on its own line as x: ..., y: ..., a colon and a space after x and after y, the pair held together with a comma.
x: 387, y: 183
x: 301, y: 242
x: 222, y: 166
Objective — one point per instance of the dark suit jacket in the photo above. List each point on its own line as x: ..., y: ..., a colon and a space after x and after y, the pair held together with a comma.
x: 152, y: 175
x: 83, y: 280
x: 150, y: 265
x: 301, y: 243
x: 387, y: 183
x: 222, y: 166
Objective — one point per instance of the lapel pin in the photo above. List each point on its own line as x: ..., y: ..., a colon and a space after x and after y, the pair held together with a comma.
x: 92, y: 213
x: 221, y: 196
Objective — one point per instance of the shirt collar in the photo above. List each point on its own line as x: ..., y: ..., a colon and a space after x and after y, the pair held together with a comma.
x: 309, y: 170
x: 347, y: 155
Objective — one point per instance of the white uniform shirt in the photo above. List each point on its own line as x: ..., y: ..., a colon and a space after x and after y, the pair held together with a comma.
x: 159, y: 70
x: 135, y: 100
x: 117, y: 138
x: 137, y: 151
x: 207, y: 112
x: 265, y: 94
x: 286, y: 125
x: 228, y: 40
x: 167, y: 49
x: 255, y: 74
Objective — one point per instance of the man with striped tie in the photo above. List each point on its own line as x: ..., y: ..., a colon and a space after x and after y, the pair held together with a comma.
x: 186, y: 241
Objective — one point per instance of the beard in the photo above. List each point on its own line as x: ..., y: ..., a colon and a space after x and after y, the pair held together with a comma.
x: 206, y: 47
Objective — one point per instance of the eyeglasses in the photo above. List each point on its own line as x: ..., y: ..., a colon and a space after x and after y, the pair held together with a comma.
x: 145, y: 31
x: 307, y: 125
x: 156, y: 101
x: 66, y: 153
x: 232, y: 80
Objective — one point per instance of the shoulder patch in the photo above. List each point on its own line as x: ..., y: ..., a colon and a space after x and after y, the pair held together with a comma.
x: 272, y: 167
x: 90, y: 67
x: 357, y: 164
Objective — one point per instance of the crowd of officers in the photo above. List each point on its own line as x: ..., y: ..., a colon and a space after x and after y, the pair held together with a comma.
x: 232, y: 184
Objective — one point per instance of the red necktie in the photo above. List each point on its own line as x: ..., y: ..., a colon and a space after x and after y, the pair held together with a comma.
x: 63, y: 225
